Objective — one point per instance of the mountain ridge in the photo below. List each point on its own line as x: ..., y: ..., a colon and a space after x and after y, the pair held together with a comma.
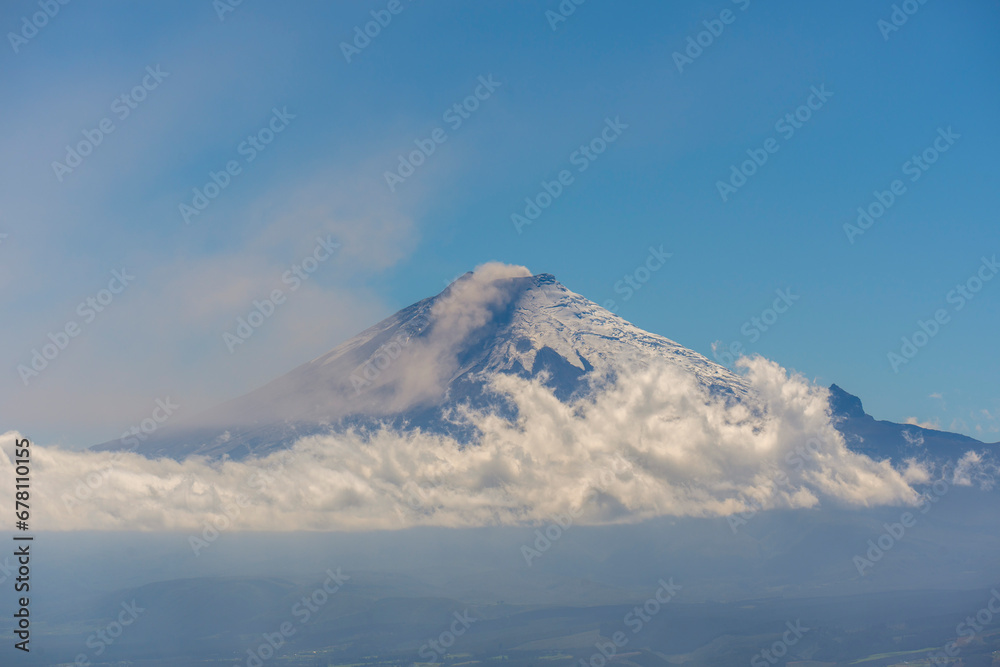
x: 417, y: 367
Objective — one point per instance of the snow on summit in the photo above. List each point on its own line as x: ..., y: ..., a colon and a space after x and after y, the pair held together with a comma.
x: 440, y: 354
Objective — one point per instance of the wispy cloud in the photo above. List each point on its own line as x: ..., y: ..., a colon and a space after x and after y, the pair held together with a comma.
x: 164, y: 334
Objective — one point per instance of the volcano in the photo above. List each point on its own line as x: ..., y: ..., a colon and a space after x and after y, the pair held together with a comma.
x: 424, y: 366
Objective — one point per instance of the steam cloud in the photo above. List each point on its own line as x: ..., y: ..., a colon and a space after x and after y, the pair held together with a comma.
x: 431, y: 362
x: 653, y: 443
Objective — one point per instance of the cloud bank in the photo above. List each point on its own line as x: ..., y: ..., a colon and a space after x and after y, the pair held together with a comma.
x: 655, y: 443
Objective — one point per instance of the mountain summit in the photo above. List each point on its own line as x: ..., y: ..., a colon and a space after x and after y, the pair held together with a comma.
x: 423, y: 366
x: 418, y: 367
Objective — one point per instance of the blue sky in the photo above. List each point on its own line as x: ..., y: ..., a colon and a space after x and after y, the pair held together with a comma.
x: 345, y: 124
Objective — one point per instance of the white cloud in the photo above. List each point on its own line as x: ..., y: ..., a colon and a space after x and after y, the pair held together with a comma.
x: 916, y: 472
x: 932, y: 425
x: 655, y: 443
x: 914, y: 439
x: 975, y: 469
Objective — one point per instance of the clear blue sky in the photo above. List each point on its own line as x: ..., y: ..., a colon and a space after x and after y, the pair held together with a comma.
x: 655, y: 184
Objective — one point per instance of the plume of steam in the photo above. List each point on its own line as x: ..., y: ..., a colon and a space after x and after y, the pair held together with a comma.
x: 466, y: 306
